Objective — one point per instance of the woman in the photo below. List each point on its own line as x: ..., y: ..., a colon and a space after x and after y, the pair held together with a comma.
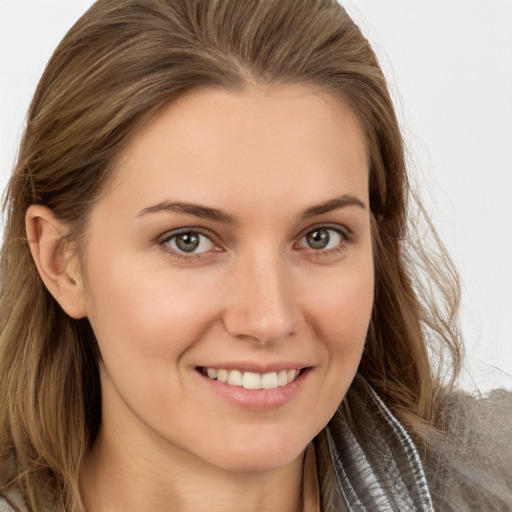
x: 207, y: 297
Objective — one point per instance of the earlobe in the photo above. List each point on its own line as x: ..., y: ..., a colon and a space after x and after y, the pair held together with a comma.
x: 56, y: 262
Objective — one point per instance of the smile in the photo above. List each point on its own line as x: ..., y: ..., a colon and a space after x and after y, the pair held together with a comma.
x: 252, y: 380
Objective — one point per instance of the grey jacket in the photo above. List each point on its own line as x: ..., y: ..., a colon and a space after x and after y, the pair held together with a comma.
x: 377, y: 468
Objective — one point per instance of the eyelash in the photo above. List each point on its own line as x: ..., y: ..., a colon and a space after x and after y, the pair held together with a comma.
x: 345, y: 235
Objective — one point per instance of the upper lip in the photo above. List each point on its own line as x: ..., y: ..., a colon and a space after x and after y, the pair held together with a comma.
x: 258, y: 367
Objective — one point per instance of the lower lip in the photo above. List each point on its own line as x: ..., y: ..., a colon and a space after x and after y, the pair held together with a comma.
x: 257, y: 399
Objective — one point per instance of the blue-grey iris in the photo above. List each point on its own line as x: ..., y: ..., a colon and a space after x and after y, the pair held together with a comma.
x: 187, y: 242
x: 318, y: 239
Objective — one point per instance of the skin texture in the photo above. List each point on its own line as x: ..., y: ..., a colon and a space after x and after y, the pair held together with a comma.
x: 253, y: 292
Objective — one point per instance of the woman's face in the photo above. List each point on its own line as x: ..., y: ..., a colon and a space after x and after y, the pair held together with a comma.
x: 233, y: 244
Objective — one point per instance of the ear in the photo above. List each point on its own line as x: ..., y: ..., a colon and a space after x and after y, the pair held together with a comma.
x: 56, y: 262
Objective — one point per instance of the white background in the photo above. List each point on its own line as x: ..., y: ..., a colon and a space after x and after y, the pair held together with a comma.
x: 449, y: 64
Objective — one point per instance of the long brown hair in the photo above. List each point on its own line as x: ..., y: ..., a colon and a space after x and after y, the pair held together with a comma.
x: 119, y: 65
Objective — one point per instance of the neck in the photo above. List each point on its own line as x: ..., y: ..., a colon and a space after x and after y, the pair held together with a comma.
x: 118, y: 475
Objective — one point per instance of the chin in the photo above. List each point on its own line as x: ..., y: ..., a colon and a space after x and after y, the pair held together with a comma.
x: 259, y: 454
x: 258, y: 462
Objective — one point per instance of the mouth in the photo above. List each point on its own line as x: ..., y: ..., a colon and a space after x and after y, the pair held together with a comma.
x: 252, y: 380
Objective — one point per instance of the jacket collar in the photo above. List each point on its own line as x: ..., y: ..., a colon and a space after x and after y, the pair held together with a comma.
x: 369, y: 464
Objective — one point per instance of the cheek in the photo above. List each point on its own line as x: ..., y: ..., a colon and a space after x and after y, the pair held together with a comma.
x: 341, y: 308
x: 145, y: 319
x: 339, y: 312
x: 145, y: 312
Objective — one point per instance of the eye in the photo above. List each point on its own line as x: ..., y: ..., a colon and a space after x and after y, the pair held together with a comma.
x: 322, y: 238
x: 189, y: 242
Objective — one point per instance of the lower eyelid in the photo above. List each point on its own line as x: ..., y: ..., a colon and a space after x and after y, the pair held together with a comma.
x: 334, y: 254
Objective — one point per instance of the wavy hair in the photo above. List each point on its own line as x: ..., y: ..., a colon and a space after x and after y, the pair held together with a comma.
x: 114, y: 70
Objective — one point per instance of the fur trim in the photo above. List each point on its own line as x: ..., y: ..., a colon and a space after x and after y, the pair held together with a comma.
x: 470, y: 467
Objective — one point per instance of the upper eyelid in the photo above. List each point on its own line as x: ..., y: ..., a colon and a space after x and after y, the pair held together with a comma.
x: 346, y: 232
x: 179, y: 231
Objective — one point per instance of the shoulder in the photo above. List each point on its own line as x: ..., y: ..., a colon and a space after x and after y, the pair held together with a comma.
x: 5, y: 506
x: 473, y: 407
x: 470, y: 466
x: 481, y: 426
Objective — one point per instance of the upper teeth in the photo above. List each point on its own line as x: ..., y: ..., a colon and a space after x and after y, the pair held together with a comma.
x: 251, y: 380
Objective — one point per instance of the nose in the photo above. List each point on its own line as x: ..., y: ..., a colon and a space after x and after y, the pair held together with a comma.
x: 262, y: 303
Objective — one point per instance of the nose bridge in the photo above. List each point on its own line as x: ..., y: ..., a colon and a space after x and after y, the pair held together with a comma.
x: 263, y: 305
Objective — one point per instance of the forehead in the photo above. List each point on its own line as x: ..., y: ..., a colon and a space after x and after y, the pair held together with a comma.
x: 216, y: 145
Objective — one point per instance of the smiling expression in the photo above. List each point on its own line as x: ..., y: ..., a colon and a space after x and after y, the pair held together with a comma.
x: 230, y: 277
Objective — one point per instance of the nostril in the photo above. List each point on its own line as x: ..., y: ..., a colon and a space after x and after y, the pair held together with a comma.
x: 262, y: 328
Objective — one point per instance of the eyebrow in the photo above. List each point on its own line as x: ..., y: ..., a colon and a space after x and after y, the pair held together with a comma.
x: 197, y: 210
x: 224, y: 217
x: 333, y: 204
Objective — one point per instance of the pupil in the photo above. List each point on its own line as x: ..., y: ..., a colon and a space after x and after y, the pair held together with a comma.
x: 187, y: 242
x: 318, y: 239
